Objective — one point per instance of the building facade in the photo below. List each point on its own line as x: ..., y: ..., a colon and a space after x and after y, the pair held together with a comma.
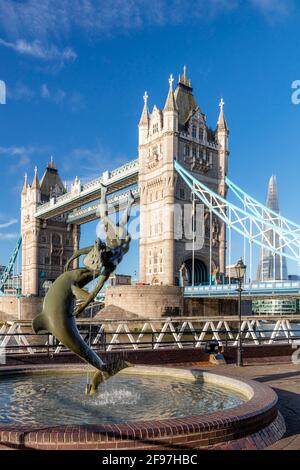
x: 171, y: 247
x: 180, y: 131
x: 272, y: 267
x: 46, y: 245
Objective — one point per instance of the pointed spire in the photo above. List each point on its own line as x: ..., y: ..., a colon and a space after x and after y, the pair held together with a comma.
x: 25, y: 186
x: 144, y: 121
x: 272, y: 266
x: 183, y: 78
x: 222, y: 124
x: 51, y: 164
x: 272, y: 198
x: 35, y: 182
x: 170, y: 104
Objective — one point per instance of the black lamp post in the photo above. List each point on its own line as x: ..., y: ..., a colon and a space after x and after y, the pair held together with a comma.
x: 240, y: 269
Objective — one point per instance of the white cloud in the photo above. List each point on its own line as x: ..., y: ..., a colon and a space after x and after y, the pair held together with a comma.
x: 35, y: 27
x: 45, y: 93
x: 42, y: 51
x: 9, y: 223
x: 89, y: 162
x: 273, y: 7
x: 57, y: 95
x: 56, y: 19
x: 19, y: 157
x: 9, y: 236
x: 20, y: 91
x: 17, y: 151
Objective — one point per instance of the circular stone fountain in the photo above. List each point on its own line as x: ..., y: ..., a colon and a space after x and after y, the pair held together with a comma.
x: 141, y: 407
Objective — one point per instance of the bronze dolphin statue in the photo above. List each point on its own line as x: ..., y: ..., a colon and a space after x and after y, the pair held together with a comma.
x: 57, y: 318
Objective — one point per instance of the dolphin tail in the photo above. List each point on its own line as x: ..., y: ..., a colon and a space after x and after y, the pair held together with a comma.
x: 39, y: 323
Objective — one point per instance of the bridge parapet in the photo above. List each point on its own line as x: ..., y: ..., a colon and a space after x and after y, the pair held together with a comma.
x: 115, y: 202
x: 270, y: 289
x: 117, y: 179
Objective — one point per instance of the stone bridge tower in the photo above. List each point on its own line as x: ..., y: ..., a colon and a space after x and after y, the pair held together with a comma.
x: 180, y: 131
x: 46, y: 245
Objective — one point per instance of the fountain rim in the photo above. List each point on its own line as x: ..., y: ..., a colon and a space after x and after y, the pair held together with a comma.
x: 253, y: 416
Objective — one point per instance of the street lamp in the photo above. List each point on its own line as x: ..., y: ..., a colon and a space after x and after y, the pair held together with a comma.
x: 240, y: 269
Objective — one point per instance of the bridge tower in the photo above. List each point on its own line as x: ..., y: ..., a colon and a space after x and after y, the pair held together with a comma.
x: 46, y: 245
x: 180, y: 131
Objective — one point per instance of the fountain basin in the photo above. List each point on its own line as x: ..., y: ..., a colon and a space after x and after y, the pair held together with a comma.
x: 247, y: 417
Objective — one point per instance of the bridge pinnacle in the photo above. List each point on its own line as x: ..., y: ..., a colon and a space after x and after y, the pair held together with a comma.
x: 35, y: 182
x: 144, y: 121
x: 170, y: 104
x: 222, y: 124
x: 222, y: 103
x: 25, y: 186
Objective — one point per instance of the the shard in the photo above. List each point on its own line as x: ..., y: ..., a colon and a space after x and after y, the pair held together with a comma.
x: 272, y: 267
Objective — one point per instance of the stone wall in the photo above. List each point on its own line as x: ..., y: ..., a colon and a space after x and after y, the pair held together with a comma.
x: 215, y: 307
x: 167, y: 301
x: 146, y: 301
x: 25, y: 308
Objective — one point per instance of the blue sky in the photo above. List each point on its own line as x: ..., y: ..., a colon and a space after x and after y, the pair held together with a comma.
x: 76, y: 72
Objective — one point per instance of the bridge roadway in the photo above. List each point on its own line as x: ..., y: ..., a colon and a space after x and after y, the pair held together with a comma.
x: 116, y: 202
x: 116, y: 181
x: 255, y: 290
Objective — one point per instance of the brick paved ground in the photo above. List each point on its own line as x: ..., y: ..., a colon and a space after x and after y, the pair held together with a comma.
x: 285, y: 380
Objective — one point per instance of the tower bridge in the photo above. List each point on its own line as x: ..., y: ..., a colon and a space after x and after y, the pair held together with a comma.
x: 181, y: 162
x: 79, y: 195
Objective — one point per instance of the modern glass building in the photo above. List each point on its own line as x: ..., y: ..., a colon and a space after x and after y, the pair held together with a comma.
x: 273, y: 267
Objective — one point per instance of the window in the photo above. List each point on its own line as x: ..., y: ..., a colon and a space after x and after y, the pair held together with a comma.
x: 55, y: 261
x: 55, y: 239
x: 194, y: 132
x: 194, y: 152
x: 186, y: 150
x: 201, y: 134
x: 155, y: 128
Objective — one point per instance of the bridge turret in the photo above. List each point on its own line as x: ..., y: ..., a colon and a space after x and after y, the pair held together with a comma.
x: 222, y: 134
x: 46, y: 245
x: 170, y: 111
x: 144, y: 121
x: 25, y: 185
x: 35, y: 188
x: 178, y: 131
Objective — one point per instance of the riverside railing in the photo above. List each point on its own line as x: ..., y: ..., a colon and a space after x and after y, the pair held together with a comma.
x: 107, y: 335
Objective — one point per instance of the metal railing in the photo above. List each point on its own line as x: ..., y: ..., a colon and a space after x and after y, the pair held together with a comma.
x: 105, y: 337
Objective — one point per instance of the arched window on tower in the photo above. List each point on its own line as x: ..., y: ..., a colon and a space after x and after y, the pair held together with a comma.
x: 201, y: 134
x: 56, y: 240
x: 155, y: 128
x: 186, y: 150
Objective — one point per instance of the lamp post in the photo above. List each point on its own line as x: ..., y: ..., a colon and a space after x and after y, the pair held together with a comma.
x: 240, y: 273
